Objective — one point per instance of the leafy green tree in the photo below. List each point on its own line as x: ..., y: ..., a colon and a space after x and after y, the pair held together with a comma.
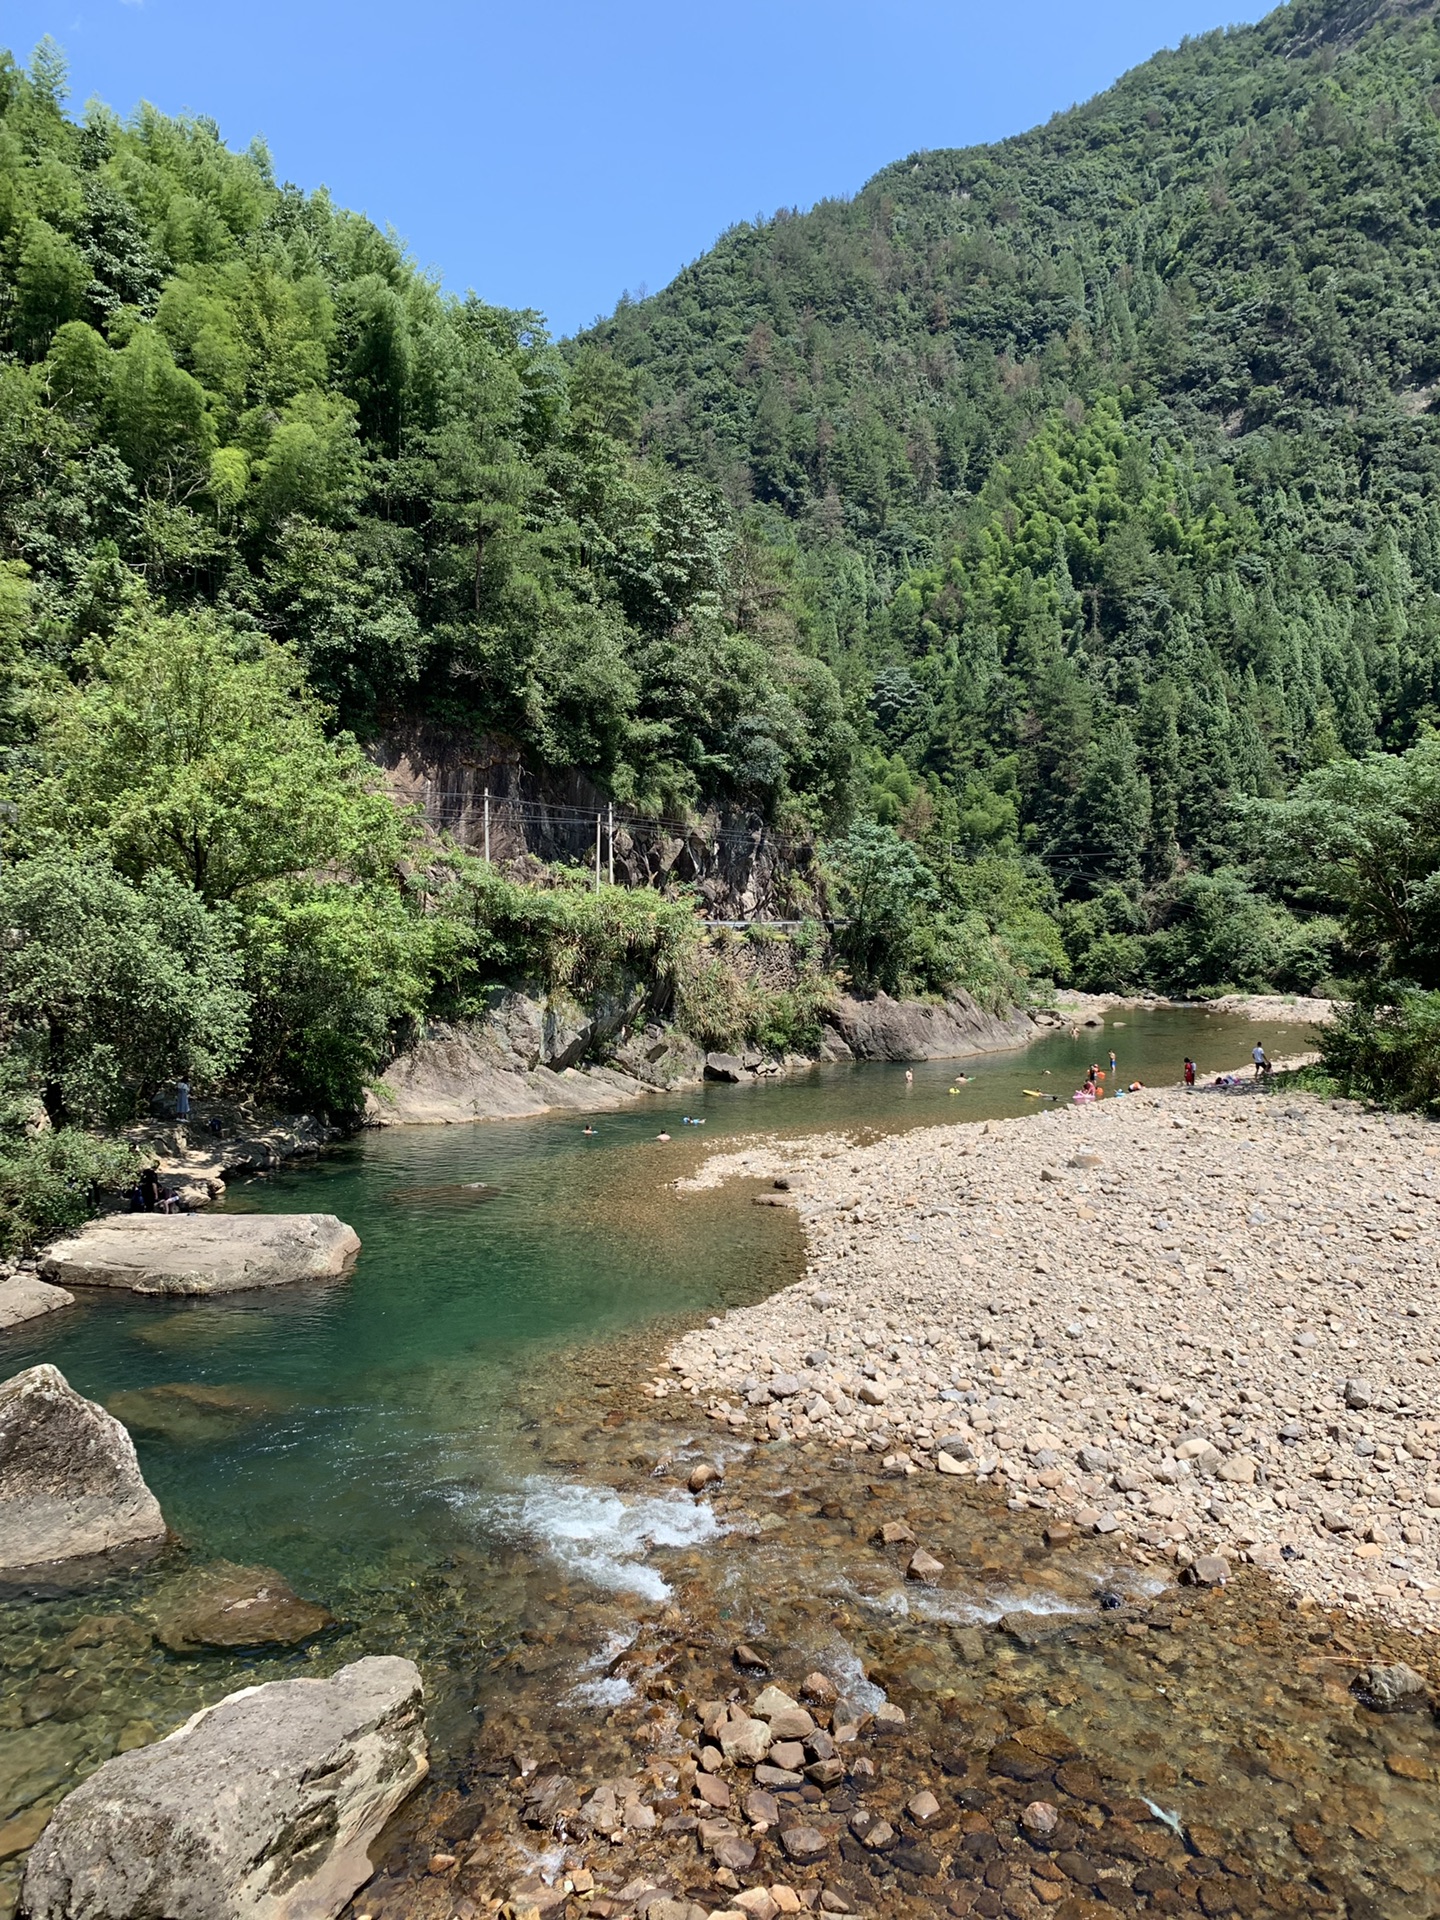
x: 332, y: 971
x: 108, y: 990
x: 200, y: 752
x: 52, y: 1181
x: 1385, y: 1047
x: 1363, y: 836
x: 885, y: 892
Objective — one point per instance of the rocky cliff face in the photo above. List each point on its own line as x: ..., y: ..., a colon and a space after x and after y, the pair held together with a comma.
x: 525, y: 1056
x: 886, y: 1029
x: 737, y: 866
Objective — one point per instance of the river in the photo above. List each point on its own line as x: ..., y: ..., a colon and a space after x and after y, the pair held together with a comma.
x: 430, y: 1445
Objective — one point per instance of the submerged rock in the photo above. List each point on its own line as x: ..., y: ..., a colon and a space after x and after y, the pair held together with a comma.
x: 70, y: 1485
x: 224, y: 1607
x: 200, y: 1254
x: 189, y: 1412
x: 264, y: 1804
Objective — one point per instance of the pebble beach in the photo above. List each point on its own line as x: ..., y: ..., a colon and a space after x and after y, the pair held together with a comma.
x: 1206, y: 1324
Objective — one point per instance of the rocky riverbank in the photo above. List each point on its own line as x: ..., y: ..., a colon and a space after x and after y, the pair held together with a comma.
x: 529, y: 1056
x: 1204, y: 1325
x: 1090, y: 1009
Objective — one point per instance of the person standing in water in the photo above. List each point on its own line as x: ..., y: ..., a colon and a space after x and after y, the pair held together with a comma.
x: 1112, y: 1063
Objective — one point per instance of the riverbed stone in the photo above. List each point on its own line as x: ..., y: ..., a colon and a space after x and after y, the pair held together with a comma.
x: 745, y: 1740
x: 224, y: 1607
x: 804, y: 1843
x: 70, y: 1484
x: 1393, y: 1688
x: 263, y: 1805
x: 156, y: 1253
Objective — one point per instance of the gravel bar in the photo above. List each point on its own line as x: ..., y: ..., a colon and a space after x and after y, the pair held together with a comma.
x: 1203, y: 1323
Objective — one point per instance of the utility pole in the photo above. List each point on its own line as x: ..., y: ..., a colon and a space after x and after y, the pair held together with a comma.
x: 611, y: 808
x: 597, y: 853
x: 487, y: 824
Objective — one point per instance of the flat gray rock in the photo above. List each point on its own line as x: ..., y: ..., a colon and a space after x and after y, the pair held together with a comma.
x: 264, y: 1806
x: 203, y: 1253
x: 70, y: 1485
x: 25, y: 1296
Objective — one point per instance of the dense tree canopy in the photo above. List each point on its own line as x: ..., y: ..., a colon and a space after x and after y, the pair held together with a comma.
x: 228, y: 396
x: 1103, y: 461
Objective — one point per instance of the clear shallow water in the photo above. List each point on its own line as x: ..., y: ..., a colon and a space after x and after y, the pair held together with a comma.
x: 337, y: 1425
x: 429, y: 1446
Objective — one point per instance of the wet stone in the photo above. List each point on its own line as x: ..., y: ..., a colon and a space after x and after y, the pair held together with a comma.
x: 780, y: 1778
x: 223, y: 1606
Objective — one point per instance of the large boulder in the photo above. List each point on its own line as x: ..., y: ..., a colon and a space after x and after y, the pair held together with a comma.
x: 880, y: 1028
x: 263, y: 1806
x: 25, y: 1296
x: 70, y: 1485
x: 199, y: 1253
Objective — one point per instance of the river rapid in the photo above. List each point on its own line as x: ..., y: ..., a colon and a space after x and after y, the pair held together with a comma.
x: 445, y: 1450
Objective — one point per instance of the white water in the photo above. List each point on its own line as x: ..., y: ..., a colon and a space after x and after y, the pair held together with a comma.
x: 595, y: 1533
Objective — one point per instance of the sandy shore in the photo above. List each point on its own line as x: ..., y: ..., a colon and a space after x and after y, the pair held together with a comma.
x: 1205, y: 1323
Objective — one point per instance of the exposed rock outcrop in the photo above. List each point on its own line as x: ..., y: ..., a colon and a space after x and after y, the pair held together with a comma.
x: 522, y: 1058
x: 70, y: 1485
x: 25, y: 1296
x: 886, y: 1029
x: 264, y: 1805
x: 200, y: 1254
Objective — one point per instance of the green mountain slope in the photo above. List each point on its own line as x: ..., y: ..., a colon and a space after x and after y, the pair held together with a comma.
x: 1102, y: 462
x: 218, y: 393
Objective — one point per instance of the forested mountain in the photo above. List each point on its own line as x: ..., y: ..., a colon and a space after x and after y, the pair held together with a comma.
x: 1053, y: 531
x: 219, y: 393
x: 1103, y: 461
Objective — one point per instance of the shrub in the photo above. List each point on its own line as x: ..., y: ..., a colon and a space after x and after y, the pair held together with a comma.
x: 1387, y: 1049
x: 52, y: 1183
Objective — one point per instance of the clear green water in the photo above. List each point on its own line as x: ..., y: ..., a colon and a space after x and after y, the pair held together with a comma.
x: 424, y: 1447
x: 361, y: 1408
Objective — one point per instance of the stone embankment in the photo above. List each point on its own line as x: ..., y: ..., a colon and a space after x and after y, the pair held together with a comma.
x: 1090, y: 1009
x: 527, y: 1056
x: 1206, y: 1324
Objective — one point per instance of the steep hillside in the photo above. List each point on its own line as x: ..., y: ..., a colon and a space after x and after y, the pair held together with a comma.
x: 219, y: 393
x: 1102, y: 462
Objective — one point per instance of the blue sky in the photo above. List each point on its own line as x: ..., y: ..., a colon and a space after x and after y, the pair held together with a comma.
x: 555, y: 157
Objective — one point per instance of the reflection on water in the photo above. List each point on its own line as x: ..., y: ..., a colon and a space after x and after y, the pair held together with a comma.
x: 419, y: 1448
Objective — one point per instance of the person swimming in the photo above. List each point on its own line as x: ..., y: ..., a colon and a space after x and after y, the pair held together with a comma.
x: 589, y: 1132
x: 662, y: 1135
